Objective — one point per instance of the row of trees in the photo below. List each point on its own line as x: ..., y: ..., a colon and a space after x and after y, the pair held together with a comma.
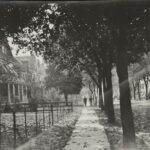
x: 92, y: 37
x: 92, y: 87
x: 65, y: 81
x: 139, y: 74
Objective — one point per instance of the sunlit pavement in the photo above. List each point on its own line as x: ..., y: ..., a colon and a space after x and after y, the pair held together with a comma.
x: 141, y: 103
x: 88, y: 134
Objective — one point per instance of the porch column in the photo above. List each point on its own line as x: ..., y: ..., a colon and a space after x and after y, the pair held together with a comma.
x: 22, y: 93
x: 9, y: 97
x: 19, y: 94
x: 26, y: 94
x: 13, y: 86
x: 41, y: 92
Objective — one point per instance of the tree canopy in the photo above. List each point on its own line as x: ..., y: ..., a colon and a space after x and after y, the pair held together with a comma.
x: 93, y: 36
x: 16, y: 15
x: 67, y: 82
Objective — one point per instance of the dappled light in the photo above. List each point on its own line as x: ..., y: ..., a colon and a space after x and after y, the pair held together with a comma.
x: 75, y: 75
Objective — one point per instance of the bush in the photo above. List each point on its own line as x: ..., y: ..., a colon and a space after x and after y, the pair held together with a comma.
x: 33, y: 105
x: 7, y: 108
x: 53, y: 95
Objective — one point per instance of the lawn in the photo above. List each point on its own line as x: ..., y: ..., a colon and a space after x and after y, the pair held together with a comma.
x: 142, y: 127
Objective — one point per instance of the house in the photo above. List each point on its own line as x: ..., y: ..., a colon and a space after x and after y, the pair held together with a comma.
x: 12, y: 87
x: 33, y: 73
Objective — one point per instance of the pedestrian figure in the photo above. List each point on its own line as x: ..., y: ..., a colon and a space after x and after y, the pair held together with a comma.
x: 90, y: 99
x: 85, y: 100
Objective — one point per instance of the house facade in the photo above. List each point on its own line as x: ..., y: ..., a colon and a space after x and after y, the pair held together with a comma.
x: 33, y: 73
x: 12, y: 86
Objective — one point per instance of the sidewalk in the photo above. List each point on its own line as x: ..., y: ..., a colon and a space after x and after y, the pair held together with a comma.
x: 88, y: 133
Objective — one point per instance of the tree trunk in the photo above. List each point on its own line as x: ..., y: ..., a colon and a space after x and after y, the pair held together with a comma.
x: 120, y: 41
x: 139, y: 91
x: 109, y: 107
x: 125, y: 102
x: 94, y: 95
x: 104, y: 90
x: 146, y: 92
x: 146, y: 86
x: 101, y: 104
x: 66, y: 99
x: 134, y: 90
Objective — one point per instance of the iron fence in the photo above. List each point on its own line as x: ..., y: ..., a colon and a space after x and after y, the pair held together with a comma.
x: 20, y: 122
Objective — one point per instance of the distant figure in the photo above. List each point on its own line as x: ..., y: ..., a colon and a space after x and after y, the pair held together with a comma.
x: 90, y: 100
x: 85, y: 100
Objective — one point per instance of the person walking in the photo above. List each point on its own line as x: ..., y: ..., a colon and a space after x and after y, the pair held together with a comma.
x: 85, y: 101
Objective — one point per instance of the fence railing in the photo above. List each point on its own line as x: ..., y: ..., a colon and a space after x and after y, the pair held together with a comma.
x: 20, y: 122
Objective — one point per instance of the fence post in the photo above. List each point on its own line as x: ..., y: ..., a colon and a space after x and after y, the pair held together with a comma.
x: 36, y: 121
x: 52, y: 114
x: 68, y: 107
x: 63, y: 110
x: 72, y: 106
x: 49, y: 115
x: 60, y: 108
x: 14, y: 127
x: 25, y: 121
x: 57, y: 111
x: 43, y: 117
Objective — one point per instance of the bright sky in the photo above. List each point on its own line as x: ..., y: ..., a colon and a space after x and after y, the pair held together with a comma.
x: 22, y: 52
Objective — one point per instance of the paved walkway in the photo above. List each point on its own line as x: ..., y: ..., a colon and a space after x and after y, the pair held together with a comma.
x: 88, y: 134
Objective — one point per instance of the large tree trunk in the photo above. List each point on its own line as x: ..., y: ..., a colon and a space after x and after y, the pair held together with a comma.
x: 120, y: 41
x: 104, y: 91
x: 101, y: 103
x: 125, y: 103
x: 109, y: 107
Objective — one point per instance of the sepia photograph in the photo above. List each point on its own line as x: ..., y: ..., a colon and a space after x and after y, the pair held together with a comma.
x: 75, y: 75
